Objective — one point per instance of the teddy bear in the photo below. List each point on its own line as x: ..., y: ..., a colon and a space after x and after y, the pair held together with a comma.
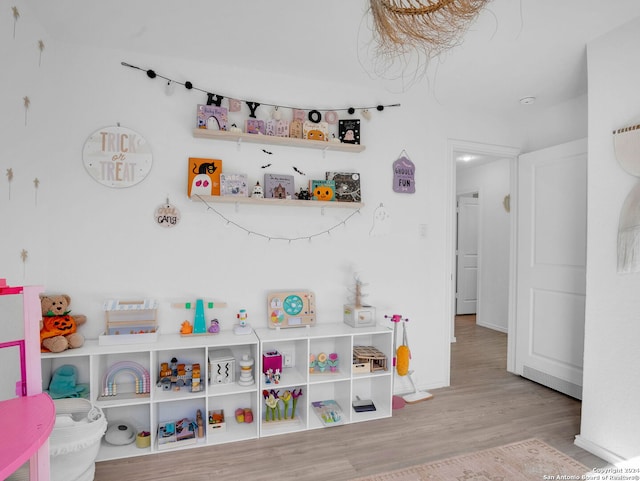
x: 58, y: 329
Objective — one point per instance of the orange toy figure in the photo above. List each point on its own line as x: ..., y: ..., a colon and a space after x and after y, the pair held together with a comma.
x: 186, y: 328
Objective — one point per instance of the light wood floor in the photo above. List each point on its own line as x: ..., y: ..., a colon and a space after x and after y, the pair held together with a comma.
x: 484, y: 407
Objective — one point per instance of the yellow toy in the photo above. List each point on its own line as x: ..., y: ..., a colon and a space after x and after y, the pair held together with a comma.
x: 403, y: 354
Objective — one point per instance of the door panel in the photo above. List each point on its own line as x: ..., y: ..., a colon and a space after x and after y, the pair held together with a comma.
x: 467, y: 256
x: 551, y: 266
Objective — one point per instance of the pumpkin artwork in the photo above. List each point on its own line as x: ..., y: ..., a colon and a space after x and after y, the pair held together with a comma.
x: 316, y: 135
x: 57, y: 326
x: 323, y: 192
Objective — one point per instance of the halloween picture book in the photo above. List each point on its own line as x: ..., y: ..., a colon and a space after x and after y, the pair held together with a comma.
x: 212, y: 117
x: 204, y: 176
x: 322, y: 190
x: 347, y: 186
x: 279, y: 186
x: 234, y: 185
x: 349, y: 131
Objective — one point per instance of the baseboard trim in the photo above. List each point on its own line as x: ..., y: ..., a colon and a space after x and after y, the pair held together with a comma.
x: 495, y: 327
x: 597, y: 450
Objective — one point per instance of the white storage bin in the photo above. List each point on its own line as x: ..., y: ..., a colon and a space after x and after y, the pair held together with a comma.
x: 75, y: 439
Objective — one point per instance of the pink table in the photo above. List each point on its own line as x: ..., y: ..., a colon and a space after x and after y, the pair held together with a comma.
x: 26, y: 424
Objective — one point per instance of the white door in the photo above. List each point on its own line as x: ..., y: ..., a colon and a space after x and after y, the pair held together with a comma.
x: 467, y: 256
x: 551, y: 270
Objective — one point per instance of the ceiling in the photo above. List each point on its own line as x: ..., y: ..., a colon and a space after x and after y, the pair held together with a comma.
x: 515, y: 48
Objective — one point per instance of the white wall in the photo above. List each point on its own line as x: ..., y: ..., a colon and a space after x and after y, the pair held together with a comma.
x: 491, y: 181
x: 545, y: 127
x: 610, y: 414
x: 94, y: 242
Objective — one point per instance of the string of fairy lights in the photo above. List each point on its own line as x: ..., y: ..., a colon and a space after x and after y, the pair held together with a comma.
x: 250, y: 232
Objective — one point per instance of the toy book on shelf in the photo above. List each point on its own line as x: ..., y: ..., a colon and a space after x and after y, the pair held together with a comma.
x: 204, y: 176
x: 349, y: 131
x: 212, y: 117
x: 347, y: 186
x: 279, y: 186
x: 315, y: 130
x: 234, y: 185
x: 322, y: 189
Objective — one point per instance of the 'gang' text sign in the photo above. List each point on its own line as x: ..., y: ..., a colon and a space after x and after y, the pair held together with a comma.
x: 117, y: 157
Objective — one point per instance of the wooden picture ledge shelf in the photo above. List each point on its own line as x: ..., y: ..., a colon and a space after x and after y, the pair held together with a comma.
x: 228, y: 199
x: 240, y: 137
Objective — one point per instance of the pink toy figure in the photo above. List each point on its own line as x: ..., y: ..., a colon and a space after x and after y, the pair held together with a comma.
x: 214, y: 328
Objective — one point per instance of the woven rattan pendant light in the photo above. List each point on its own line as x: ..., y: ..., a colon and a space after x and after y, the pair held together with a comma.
x: 431, y: 26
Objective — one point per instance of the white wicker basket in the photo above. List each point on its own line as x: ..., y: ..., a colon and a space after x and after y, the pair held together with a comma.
x: 75, y: 439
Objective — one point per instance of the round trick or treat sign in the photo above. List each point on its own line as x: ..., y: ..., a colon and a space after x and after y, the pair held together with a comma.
x: 117, y: 157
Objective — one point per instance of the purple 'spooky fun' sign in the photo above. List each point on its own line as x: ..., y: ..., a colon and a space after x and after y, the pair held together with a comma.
x: 404, y: 176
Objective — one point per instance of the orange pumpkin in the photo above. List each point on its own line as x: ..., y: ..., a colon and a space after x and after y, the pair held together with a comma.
x: 57, y: 326
x: 316, y: 135
x: 323, y: 192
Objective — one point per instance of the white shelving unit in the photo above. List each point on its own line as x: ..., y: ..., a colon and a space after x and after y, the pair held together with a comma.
x: 297, y: 344
x: 144, y: 412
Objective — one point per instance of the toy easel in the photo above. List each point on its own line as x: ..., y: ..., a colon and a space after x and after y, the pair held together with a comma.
x: 30, y: 416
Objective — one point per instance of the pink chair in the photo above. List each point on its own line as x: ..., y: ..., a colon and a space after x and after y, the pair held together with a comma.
x: 29, y: 417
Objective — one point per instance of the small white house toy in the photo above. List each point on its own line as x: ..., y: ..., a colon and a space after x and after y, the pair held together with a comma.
x: 257, y: 192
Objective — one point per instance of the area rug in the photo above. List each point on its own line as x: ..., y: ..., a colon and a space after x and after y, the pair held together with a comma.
x: 529, y: 460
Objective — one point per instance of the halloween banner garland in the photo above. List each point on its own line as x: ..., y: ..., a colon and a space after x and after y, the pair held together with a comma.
x: 216, y: 99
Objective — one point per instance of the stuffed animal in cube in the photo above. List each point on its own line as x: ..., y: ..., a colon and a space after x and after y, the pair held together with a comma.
x: 58, y: 329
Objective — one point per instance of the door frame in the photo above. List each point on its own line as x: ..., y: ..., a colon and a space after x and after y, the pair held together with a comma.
x: 503, y: 152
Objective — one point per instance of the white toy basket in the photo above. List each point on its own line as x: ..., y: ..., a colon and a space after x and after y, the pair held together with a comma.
x: 75, y: 439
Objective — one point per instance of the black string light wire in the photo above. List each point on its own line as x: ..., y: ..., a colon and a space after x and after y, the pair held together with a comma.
x: 216, y: 98
x: 277, y: 238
